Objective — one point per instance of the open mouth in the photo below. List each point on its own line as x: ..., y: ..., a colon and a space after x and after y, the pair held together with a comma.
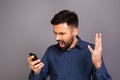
x: 61, y: 43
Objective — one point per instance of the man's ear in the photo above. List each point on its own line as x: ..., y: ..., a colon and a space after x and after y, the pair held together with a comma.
x: 75, y: 31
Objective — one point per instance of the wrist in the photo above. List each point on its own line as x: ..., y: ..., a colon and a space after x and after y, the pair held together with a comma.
x: 35, y: 72
x: 98, y: 66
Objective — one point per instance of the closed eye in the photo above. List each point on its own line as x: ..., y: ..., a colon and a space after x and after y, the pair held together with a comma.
x: 61, y: 33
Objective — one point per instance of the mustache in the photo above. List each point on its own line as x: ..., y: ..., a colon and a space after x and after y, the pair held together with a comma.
x: 60, y: 41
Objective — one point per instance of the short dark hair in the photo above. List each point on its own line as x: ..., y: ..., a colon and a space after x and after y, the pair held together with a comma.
x: 65, y: 16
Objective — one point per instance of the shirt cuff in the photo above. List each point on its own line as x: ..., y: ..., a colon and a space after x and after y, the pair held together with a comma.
x: 34, y: 76
x: 100, y: 70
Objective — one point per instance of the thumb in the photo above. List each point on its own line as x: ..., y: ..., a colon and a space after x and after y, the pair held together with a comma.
x: 90, y: 49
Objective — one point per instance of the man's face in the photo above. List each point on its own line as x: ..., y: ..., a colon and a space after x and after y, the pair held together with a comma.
x: 63, y: 35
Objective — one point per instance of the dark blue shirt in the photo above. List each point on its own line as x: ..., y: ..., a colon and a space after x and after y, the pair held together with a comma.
x: 73, y: 64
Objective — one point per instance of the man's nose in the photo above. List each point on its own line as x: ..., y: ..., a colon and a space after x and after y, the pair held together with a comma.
x: 57, y: 37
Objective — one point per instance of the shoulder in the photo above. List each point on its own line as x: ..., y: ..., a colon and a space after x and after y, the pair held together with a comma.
x: 84, y: 44
x: 49, y: 51
x: 52, y: 48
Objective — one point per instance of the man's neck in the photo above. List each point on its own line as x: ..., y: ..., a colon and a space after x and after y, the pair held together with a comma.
x: 75, y: 40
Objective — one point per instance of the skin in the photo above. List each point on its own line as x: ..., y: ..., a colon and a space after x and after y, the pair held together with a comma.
x: 65, y: 33
x: 36, y: 68
x: 97, y: 52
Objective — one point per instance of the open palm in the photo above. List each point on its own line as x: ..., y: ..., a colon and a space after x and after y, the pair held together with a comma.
x: 97, y: 51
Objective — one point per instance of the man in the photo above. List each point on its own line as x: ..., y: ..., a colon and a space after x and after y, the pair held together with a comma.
x: 72, y: 58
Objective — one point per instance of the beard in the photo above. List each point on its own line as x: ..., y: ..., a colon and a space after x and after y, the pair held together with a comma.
x: 65, y: 45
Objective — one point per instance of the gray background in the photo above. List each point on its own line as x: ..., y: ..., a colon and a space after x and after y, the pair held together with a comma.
x: 25, y: 27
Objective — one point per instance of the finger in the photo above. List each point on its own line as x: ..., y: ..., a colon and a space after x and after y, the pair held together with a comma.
x: 90, y: 49
x: 35, y: 62
x: 100, y: 39
x: 29, y: 59
x: 96, y: 40
x: 40, y: 65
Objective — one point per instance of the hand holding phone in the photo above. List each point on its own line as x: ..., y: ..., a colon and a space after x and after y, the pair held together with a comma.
x: 36, y: 67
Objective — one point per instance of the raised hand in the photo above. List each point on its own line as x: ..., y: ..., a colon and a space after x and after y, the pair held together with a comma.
x: 97, y: 52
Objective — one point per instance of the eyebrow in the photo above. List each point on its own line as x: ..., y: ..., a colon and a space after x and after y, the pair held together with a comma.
x: 59, y: 32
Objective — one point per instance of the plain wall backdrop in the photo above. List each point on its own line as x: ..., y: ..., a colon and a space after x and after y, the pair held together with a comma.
x: 25, y: 27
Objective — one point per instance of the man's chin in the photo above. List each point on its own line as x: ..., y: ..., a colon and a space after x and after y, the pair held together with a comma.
x: 63, y: 48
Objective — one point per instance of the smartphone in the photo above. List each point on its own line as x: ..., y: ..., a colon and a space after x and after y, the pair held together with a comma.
x: 35, y: 56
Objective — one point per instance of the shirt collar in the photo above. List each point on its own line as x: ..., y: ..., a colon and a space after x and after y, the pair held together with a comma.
x: 79, y: 43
